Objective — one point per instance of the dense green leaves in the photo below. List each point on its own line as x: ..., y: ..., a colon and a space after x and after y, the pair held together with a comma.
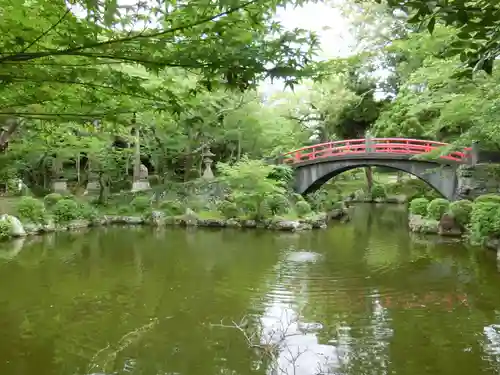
x: 78, y: 76
x: 477, y: 24
x: 52, y: 54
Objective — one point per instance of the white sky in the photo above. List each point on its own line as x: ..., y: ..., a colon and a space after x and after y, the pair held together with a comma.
x: 324, y: 19
x: 331, y: 27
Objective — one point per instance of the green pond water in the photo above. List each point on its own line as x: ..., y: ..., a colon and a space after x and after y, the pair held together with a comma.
x: 364, y: 297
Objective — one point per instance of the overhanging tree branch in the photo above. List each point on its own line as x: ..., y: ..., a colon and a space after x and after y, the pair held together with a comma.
x: 86, y: 84
x: 47, y: 31
x: 71, y: 51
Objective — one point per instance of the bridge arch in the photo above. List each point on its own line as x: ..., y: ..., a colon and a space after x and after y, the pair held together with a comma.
x: 310, y: 176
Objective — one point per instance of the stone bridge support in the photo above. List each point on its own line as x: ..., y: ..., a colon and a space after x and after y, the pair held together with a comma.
x: 477, y: 174
x: 310, y: 176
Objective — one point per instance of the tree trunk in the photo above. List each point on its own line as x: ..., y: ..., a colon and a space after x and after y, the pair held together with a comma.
x: 369, y: 179
x: 399, y: 177
x: 103, y: 189
x: 11, y: 126
x: 239, y: 145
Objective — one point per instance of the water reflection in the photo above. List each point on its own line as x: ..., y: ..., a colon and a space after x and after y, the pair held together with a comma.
x: 362, y: 297
x: 347, y: 308
x: 298, y: 350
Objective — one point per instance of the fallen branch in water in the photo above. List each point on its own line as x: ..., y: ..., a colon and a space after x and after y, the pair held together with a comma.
x: 271, y: 342
x: 125, y: 341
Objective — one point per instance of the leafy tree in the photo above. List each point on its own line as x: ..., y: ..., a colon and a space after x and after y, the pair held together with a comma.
x: 345, y: 102
x: 476, y: 23
x: 432, y: 103
x: 250, y: 185
x: 97, y: 60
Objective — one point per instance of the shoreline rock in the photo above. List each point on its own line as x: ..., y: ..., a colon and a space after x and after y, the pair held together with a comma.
x: 189, y: 219
x: 446, y: 226
x: 390, y: 199
x: 419, y: 224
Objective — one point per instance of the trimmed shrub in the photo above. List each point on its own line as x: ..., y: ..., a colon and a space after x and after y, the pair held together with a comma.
x: 228, y: 209
x: 278, y: 204
x: 51, y: 199
x: 87, y: 212
x: 171, y: 207
x: 302, y: 208
x: 281, y: 173
x: 31, y: 209
x: 197, y: 204
x: 437, y: 208
x: 140, y: 204
x: 65, y: 210
x: 297, y: 198
x: 247, y: 205
x: 418, y: 206
x: 263, y: 212
x: 378, y: 191
x: 493, y: 198
x: 5, y: 229
x: 317, y: 199
x: 484, y: 221
x: 461, y: 211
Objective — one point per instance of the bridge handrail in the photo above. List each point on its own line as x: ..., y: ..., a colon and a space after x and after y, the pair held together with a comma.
x: 375, y: 145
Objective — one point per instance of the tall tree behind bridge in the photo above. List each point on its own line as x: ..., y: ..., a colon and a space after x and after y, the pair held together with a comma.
x: 345, y: 101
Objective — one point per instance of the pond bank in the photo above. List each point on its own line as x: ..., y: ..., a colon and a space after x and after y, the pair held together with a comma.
x: 159, y: 219
x: 141, y: 286
x: 476, y: 222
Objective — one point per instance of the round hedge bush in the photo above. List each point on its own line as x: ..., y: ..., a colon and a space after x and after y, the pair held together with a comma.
x: 65, y: 210
x: 278, y: 204
x: 140, y: 204
x: 31, y: 209
x: 171, y: 207
x: 484, y: 221
x: 437, y: 208
x: 461, y: 211
x: 228, y: 209
x: 418, y: 206
x: 5, y: 229
x: 297, y: 198
x: 378, y: 191
x: 88, y: 212
x: 302, y: 208
x: 493, y: 198
x: 51, y: 199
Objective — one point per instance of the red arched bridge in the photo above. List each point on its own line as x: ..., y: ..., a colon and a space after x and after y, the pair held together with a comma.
x: 396, y: 147
x: 317, y: 164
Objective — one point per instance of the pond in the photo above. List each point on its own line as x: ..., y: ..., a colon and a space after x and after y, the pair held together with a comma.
x: 363, y: 297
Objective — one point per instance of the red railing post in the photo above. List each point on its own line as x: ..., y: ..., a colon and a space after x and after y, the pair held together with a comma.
x: 379, y: 145
x: 369, y: 144
x: 297, y: 156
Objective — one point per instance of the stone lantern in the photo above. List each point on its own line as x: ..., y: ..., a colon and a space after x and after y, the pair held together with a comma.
x: 207, y: 160
x: 59, y: 183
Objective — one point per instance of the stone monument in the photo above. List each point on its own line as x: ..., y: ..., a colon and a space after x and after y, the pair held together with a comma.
x: 93, y: 185
x: 207, y: 160
x: 141, y: 182
x: 59, y: 183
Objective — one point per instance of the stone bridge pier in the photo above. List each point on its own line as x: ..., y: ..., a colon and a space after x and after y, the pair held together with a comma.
x: 457, y: 175
x: 452, y: 180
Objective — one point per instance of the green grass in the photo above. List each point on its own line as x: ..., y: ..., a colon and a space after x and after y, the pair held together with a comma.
x: 209, y: 215
x: 8, y: 205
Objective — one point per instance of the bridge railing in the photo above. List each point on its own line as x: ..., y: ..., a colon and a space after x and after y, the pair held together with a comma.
x: 401, y: 146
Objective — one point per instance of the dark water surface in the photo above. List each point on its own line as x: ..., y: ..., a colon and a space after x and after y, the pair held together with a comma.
x: 359, y: 298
